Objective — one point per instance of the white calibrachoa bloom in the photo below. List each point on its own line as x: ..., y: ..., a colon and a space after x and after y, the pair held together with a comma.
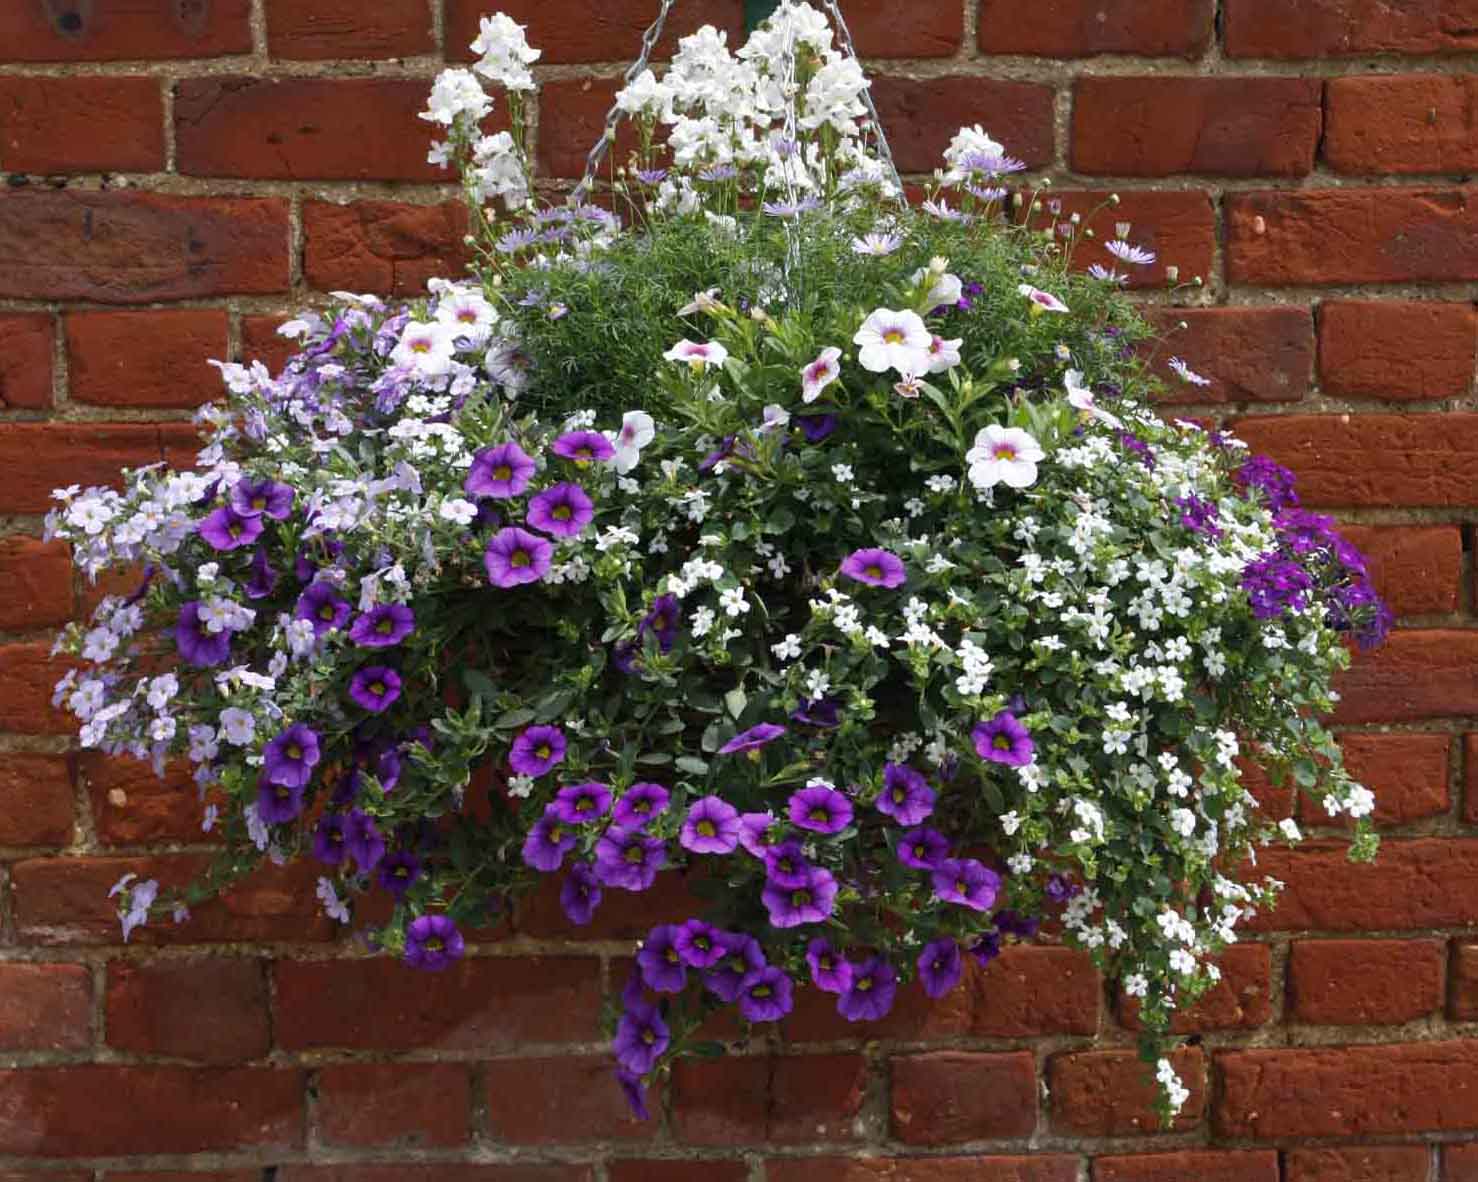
x: 893, y: 340
x: 1004, y: 455
x: 820, y: 373
x: 699, y: 355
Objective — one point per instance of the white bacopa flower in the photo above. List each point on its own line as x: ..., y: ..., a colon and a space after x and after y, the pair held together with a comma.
x: 1080, y: 397
x: 788, y: 649
x: 820, y: 373
x: 733, y: 602
x: 1042, y: 301
x: 893, y: 340
x: 1004, y: 455
x: 456, y: 92
x: 637, y: 430
x: 698, y: 355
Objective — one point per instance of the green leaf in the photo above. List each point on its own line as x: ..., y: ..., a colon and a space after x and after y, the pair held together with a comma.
x: 512, y: 718
x: 735, y: 701
x: 692, y: 765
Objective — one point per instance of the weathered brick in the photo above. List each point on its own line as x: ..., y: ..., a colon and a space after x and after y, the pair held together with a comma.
x: 436, y: 1173
x: 30, y: 675
x: 1160, y: 126
x: 1470, y: 790
x: 1242, y: 998
x: 1396, y: 349
x: 1365, y: 982
x: 1413, y: 676
x: 1417, y: 569
x: 1364, y: 235
x: 183, y: 1176
x: 1348, y: 1092
x: 136, y: 248
x: 25, y: 361
x: 35, y: 799
x: 1363, y: 1163
x: 133, y: 806
x: 37, y: 577
x: 1338, y: 28
x: 145, y: 359
x: 1039, y: 1167
x: 313, y: 30
x: 777, y: 1100
x: 1407, y: 773
x: 1460, y: 1163
x: 557, y: 1101
x: 260, y: 341
x: 1111, y: 1093
x: 884, y: 28
x: 677, y: 1170
x: 1463, y: 998
x: 591, y: 30
x: 53, y: 125
x: 408, y: 1105
x: 39, y: 457
x: 382, y: 246
x: 1084, y: 28
x: 1251, y: 354
x: 211, y: 1010
x: 572, y: 114
x: 1406, y: 123
x: 939, y: 1098
x: 1180, y: 227
x: 921, y: 117
x: 45, y: 1007
x: 83, y: 31
x: 1246, y: 1165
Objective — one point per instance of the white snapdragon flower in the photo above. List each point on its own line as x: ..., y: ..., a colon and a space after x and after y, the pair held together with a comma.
x: 506, y: 55
x: 455, y: 93
x: 645, y: 96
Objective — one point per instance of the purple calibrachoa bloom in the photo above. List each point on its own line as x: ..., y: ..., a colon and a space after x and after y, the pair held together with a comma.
x: 363, y: 840
x: 823, y: 713
x: 278, y: 803
x: 741, y: 956
x: 966, y: 882
x: 197, y: 644
x: 261, y: 580
x: 290, y: 758
x: 830, y: 970
x: 547, y: 843
x: 514, y: 556
x: 940, y: 966
x: 499, y: 472
x: 562, y: 511
x: 328, y: 840
x: 698, y: 944
x: 752, y: 740
x: 811, y: 902
x: 635, y: 1092
x: 661, y: 621
x: 432, y: 942
x: 641, y: 1037
x: 382, y: 626
x: 869, y: 995
x: 820, y: 809
x: 905, y: 797
x: 815, y: 427
x: 922, y: 848
x: 765, y: 995
x: 986, y: 949
x: 876, y: 568
x: 226, y: 529
x: 661, y: 965
x: 536, y: 750
x: 629, y: 859
x: 262, y: 498
x: 1003, y: 740
x: 577, y: 804
x: 712, y: 827
x: 786, y: 865
x: 375, y: 688
x: 323, y: 606
x: 755, y: 832
x: 1013, y: 923
x: 584, y: 447
x: 580, y: 894
x: 398, y: 872
x: 639, y: 804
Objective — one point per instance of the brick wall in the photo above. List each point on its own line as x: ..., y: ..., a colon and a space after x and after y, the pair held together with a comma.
x: 180, y: 173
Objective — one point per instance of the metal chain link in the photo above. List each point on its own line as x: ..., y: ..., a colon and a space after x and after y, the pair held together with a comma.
x: 835, y: 9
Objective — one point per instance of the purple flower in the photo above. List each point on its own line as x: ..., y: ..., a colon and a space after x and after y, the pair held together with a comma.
x: 562, y: 511
x: 278, y: 803
x: 1272, y: 480
x: 1274, y: 583
x: 515, y: 556
x: 661, y: 621
x: 712, y: 827
x: 830, y: 970
x: 754, y: 832
x: 547, y: 843
x: 583, y: 447
x: 639, y: 804
x: 1060, y: 888
x: 940, y: 966
x: 1198, y: 515
x: 786, y: 865
x: 1013, y: 923
x: 262, y: 579
x: 225, y: 529
x: 641, y: 1037
x: 382, y: 626
x: 499, y: 472
x: 815, y: 427
x: 1138, y: 448
x: 986, y: 949
x: 262, y: 498
x: 635, y: 1092
x: 290, y: 758
x: 698, y: 944
x: 922, y: 848
x: 577, y: 804
x: 1003, y: 740
x: 580, y: 893
x: 323, y: 606
x: 966, y: 882
x: 328, y: 840
x: 753, y: 739
x: 820, y: 809
x: 629, y: 859
x: 536, y: 750
x: 870, y: 994
x: 398, y: 872
x: 905, y: 796
x: 375, y: 688
x: 813, y: 902
x: 741, y: 956
x: 363, y: 840
x: 876, y: 568
x: 661, y: 965
x: 824, y: 713
x: 432, y: 942
x: 765, y: 995
x: 197, y: 644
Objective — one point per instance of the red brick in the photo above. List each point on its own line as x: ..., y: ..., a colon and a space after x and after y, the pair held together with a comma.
x: 1364, y: 982
x: 82, y: 31
x: 45, y: 1007
x: 30, y: 675
x: 623, y: 915
x: 1040, y: 1167
x: 1410, y: 123
x: 409, y: 1105
x: 482, y: 1004
x: 35, y: 799
x: 921, y: 117
x: 39, y: 457
x: 25, y: 361
x: 1364, y: 235
x: 51, y: 125
x: 1180, y: 227
x: 1415, y: 883
x: 1396, y: 349
x: 382, y: 246
x: 304, y: 128
x: 1223, y: 126
x: 37, y: 577
x: 1374, y: 459
x: 884, y: 28
x: 1366, y: 1163
x: 939, y: 1098
x: 211, y: 1010
x: 558, y: 1101
x: 1413, y: 676
x: 1274, y: 801
x: 311, y: 30
x: 1348, y: 1092
x: 1463, y: 1000
x: 133, y: 806
x: 436, y: 1173
x: 94, y: 1111
x: 1407, y: 773
x: 260, y: 341
x: 591, y: 30
x: 680, y: 1170
x: 1415, y: 568
x: 138, y: 248
x: 130, y: 359
x: 1248, y: 1165
x: 1335, y: 28
x: 184, y: 1176
x: 572, y: 114
x: 1251, y: 354
x: 1242, y: 998
x: 1084, y: 28
x: 1460, y: 1163
x: 1112, y: 1093
x: 770, y: 1100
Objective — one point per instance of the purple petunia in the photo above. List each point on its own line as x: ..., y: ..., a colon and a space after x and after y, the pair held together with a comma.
x: 756, y: 832
x: 262, y: 498
x: 1003, y: 740
x: 577, y: 804
x: 869, y: 996
x: 786, y: 865
x: 820, y: 809
x: 514, y: 556
x: 816, y: 427
x: 811, y: 902
x: 432, y: 942
x: 661, y: 965
x: 261, y: 580
x: 499, y: 472
x: 905, y: 796
x: 940, y: 966
x: 363, y: 840
x: 922, y: 848
x: 584, y: 447
x: 628, y: 858
x: 536, y: 750
x: 197, y: 644
x: 712, y: 827
x: 699, y: 944
x: 382, y: 626
x: 580, y: 894
x: 966, y: 882
x: 547, y: 843
x: 398, y: 872
x: 278, y: 803
x: 830, y: 970
x: 765, y: 995
x: 823, y: 713
x: 225, y: 529
x: 641, y: 1037
x: 323, y: 606
x: 375, y: 688
x: 290, y: 758
x: 562, y: 511
x: 328, y: 840
x: 741, y: 956
x: 752, y: 740
x: 639, y: 804
x: 876, y: 568
x: 661, y: 621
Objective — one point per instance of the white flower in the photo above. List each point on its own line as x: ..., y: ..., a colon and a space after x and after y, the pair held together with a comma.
x: 876, y: 244
x: 506, y: 55
x: 468, y: 313
x: 333, y: 906
x: 1080, y: 397
x: 945, y: 288
x: 520, y: 786
x: 733, y: 602
x: 699, y: 356
x: 1183, y: 821
x: 842, y: 473
x: 458, y: 509
x: 1129, y: 253
x: 944, y: 354
x: 645, y: 96
x: 456, y: 92
x: 776, y: 417
x: 1289, y: 828
x: 1136, y: 985
x: 637, y: 430
x: 425, y: 348
x: 968, y: 141
x: 1010, y: 823
x: 893, y: 340
x: 1003, y: 455
x: 788, y: 649
x: 1186, y: 373
x: 703, y: 620
x: 237, y: 726
x: 820, y: 373
x: 1042, y: 301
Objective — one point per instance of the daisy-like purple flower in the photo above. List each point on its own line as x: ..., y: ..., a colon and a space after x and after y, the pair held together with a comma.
x: 514, y: 556
x: 536, y: 750
x: 584, y: 447
x: 375, y: 688
x: 323, y: 607
x: 940, y: 966
x: 382, y: 626
x: 905, y: 797
x: 629, y: 859
x: 812, y: 902
x: 562, y: 511
x: 328, y: 840
x: 547, y: 843
x: 712, y: 827
x: 876, y: 568
x: 661, y: 964
x: 363, y: 840
x: 398, y: 872
x: 1003, y: 740
x: 741, y: 956
x: 870, y: 994
x: 578, y: 804
x: 278, y: 803
x: 922, y: 848
x: 639, y: 804
x: 499, y: 472
x: 820, y: 809
x: 755, y: 832
x: 786, y: 865
x: 580, y: 894
x: 830, y: 970
x: 262, y: 498
x: 753, y: 739
x: 641, y: 1037
x: 765, y: 995
x: 966, y: 882
x: 290, y: 758
x: 432, y: 942
x: 698, y: 944
x: 197, y: 644
x: 226, y: 529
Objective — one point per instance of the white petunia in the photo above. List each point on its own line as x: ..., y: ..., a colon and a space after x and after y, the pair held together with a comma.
x: 1004, y: 455
x: 426, y: 349
x: 698, y: 355
x: 893, y: 340
x: 1079, y: 396
x: 820, y: 373
x: 637, y: 430
x: 943, y: 354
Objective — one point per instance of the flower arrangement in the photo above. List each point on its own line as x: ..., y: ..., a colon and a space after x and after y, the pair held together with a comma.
x: 767, y: 529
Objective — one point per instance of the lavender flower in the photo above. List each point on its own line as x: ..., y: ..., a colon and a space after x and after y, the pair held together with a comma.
x: 765, y: 995
x: 225, y: 529
x: 876, y: 568
x: 629, y: 859
x: 499, y: 472
x: 432, y: 942
x: 536, y: 750
x: 752, y: 740
x: 661, y: 965
x: 639, y: 804
x: 870, y: 994
x: 382, y: 626
x: 810, y: 903
x: 922, y: 848
x: 905, y: 797
x: 197, y: 644
x: 584, y: 447
x: 830, y: 970
x: 580, y: 894
x: 940, y: 966
x: 578, y: 804
x: 820, y: 809
x: 966, y: 882
x: 641, y: 1037
x: 375, y: 688
x: 1003, y: 740
x: 515, y: 556
x: 289, y: 759
x: 562, y: 511
x: 262, y: 498
x: 712, y: 827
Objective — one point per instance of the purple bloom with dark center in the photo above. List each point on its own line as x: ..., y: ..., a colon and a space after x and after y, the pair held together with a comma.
x: 514, y: 556
x: 1304, y: 533
x: 871, y: 992
x: 635, y: 1092
x: 225, y: 529
x: 661, y: 965
x: 584, y: 447
x: 922, y: 848
x: 815, y: 427
x: 639, y: 804
x: 786, y: 865
x: 812, y: 902
x: 278, y: 803
x: 661, y: 621
x: 197, y: 644
x: 1138, y: 448
x: 741, y: 956
x: 1358, y: 600
x: 628, y: 858
x: 986, y: 949
x: 577, y: 804
x: 290, y: 758
x: 398, y: 872
x: 1013, y: 923
x: 824, y: 713
x: 363, y: 840
x: 641, y: 1037
x: 623, y: 656
x: 876, y: 568
x: 712, y: 460
x: 1003, y: 740
x: 562, y: 511
x: 1060, y: 888
x: 499, y: 472
x: 382, y: 626
x: 765, y: 995
x: 375, y: 688
x: 756, y: 832
x: 547, y: 843
x: 536, y: 750
x: 1199, y: 515
x: 753, y: 739
x: 579, y: 895
x: 261, y: 580
x: 432, y: 942
x: 262, y: 498
x: 1271, y: 479
x: 966, y: 882
x: 323, y: 606
x: 830, y: 970
x: 1274, y: 584
x: 820, y: 809
x: 905, y: 796
x: 699, y: 944
x: 940, y: 966
x: 328, y: 840
x: 712, y: 827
